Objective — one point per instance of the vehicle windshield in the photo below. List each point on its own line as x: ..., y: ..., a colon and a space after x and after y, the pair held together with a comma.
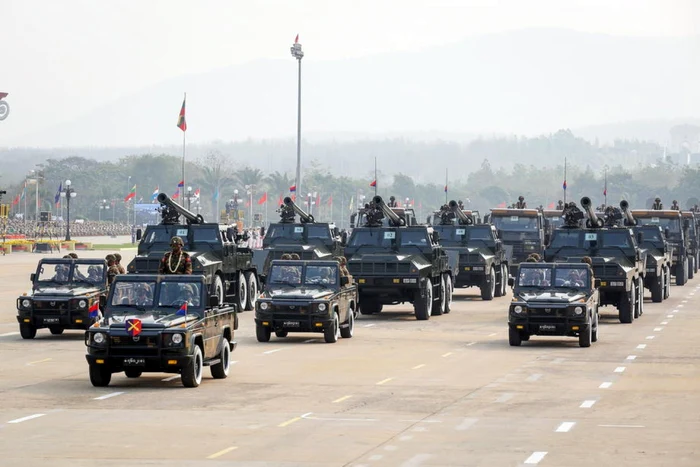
x: 651, y: 234
x: 571, y: 277
x: 205, y: 234
x: 63, y: 272
x: 175, y: 294
x: 166, y: 299
x: 318, y: 231
x: 373, y: 237
x: 535, y: 277
x: 515, y: 223
x: 672, y: 223
x: 163, y: 234
x: 287, y: 231
x: 285, y: 274
x: 85, y: 272
x: 129, y: 293
x: 54, y: 272
x: 321, y: 275
x: 585, y: 240
x: 458, y: 235
x: 415, y: 237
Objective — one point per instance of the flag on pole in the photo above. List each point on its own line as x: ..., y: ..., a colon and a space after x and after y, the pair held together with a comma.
x: 247, y: 203
x: 374, y: 183
x: 550, y: 206
x: 296, y: 39
x: 131, y: 194
x: 502, y: 205
x: 445, y: 188
x: 183, y: 310
x: 181, y: 123
x: 293, y: 188
x: 263, y: 199
x: 176, y: 195
x: 318, y: 199
x: 155, y: 194
x: 94, y: 309
x: 564, y: 185
x: 330, y: 200
x: 15, y: 201
x: 196, y: 193
x: 57, y: 198
x: 181, y: 184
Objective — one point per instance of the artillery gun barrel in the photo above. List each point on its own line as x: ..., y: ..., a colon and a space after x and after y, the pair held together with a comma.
x: 625, y: 207
x: 588, y: 206
x: 391, y: 215
x: 192, y: 218
x: 303, y: 216
x: 463, y: 218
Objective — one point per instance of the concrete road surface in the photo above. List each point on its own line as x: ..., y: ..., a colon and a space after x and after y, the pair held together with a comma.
x: 446, y: 392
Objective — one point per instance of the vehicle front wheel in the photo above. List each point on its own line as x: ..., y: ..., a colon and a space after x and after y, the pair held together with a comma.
x: 347, y: 331
x: 220, y: 370
x: 192, y: 374
x: 514, y: 338
x: 56, y: 330
x: 448, y: 293
x: 252, y: 284
x: 691, y: 267
x: 423, y: 306
x: 217, y: 288
x: 27, y: 331
x: 585, y: 337
x: 242, y: 292
x: 262, y: 333
x: 627, y: 306
x: 132, y: 373
x: 332, y: 333
x: 657, y: 289
x: 488, y: 289
x: 100, y: 375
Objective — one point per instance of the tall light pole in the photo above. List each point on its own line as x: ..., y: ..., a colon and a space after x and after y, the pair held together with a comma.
x: 189, y: 197
x: 298, y: 54
x: 128, y: 190
x: 68, y: 193
x: 250, y: 202
x: 103, y: 207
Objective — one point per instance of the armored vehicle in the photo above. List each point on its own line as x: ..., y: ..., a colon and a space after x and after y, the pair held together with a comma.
x: 617, y: 260
x: 161, y: 323
x: 309, y: 239
x: 479, y: 256
x: 554, y: 299
x: 359, y: 218
x: 65, y: 292
x: 693, y: 251
x: 217, y: 252
x: 437, y: 217
x: 554, y: 218
x: 306, y: 296
x: 523, y: 230
x: 398, y: 263
x: 670, y: 220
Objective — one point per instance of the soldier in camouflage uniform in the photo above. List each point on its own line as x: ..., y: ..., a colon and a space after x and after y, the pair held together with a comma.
x: 112, y: 269
x: 176, y: 261
x: 118, y: 258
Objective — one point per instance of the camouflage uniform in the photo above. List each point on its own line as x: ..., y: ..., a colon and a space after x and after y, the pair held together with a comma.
x: 176, y: 261
x: 521, y: 204
x: 118, y: 263
x: 112, y: 269
x: 675, y: 206
x: 657, y: 204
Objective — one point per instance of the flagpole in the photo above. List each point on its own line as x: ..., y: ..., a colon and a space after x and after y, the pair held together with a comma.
x: 376, y: 183
x: 606, y: 187
x: 565, y: 180
x: 184, y: 145
x: 446, y: 185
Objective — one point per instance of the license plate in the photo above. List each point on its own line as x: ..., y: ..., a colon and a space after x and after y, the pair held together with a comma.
x: 134, y: 362
x: 291, y: 324
x: 547, y: 327
x: 51, y: 320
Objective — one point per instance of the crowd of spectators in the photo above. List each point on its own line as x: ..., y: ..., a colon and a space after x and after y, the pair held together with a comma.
x: 32, y: 229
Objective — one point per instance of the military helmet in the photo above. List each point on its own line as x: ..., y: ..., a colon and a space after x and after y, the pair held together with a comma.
x: 92, y: 269
x: 187, y: 288
x: 118, y: 257
x: 521, y: 198
x: 73, y: 255
x: 110, y: 258
x: 176, y: 241
x: 657, y: 199
x: 342, y: 260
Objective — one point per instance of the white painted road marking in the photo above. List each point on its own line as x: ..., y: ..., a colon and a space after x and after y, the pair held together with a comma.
x: 24, y: 419
x: 369, y: 325
x: 669, y: 316
x: 631, y: 357
x: 650, y: 337
x: 558, y: 360
x: 470, y: 344
x: 466, y: 424
x: 308, y: 341
x: 418, y: 366
x: 447, y: 354
x: 620, y: 369
x: 107, y: 396
x: 492, y: 334
x: 222, y: 452
x: 170, y: 378
x: 658, y: 329
x: 8, y: 334
x: 664, y: 322
x: 587, y: 404
x: 681, y: 305
x: 416, y: 460
x: 505, y: 397
x: 642, y: 346
x: 533, y: 378
x: 383, y: 381
x: 272, y: 351
x: 605, y: 385
x: 375, y: 457
x: 535, y: 457
x: 565, y: 427
x: 341, y: 399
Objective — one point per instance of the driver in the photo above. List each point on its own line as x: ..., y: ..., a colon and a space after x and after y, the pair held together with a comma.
x: 144, y: 297
x: 62, y: 271
x: 186, y: 295
x: 94, y: 274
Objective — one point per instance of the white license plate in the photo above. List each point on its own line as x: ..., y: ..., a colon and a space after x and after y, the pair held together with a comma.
x: 134, y: 362
x: 51, y: 320
x: 547, y: 327
x: 290, y: 324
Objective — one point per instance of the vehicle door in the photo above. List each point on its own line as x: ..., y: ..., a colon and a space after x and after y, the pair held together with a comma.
x: 212, y: 327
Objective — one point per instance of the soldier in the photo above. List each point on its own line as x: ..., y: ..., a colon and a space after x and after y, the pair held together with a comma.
x: 73, y: 255
x: 144, y: 296
x: 118, y: 263
x: 344, y: 272
x: 675, y: 206
x: 560, y: 205
x: 294, y: 257
x: 176, y: 261
x: 657, y: 204
x: 286, y: 256
x: 587, y: 260
x: 460, y: 205
x: 112, y: 269
x: 521, y: 204
x: 392, y: 202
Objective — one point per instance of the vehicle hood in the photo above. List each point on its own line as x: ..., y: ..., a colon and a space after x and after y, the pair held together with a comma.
x: 551, y: 297
x: 311, y: 293
x: 64, y: 291
x: 148, y: 321
x: 418, y: 260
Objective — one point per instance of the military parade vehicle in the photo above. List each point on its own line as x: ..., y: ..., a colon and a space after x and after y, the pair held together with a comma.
x: 396, y: 263
x: 659, y: 254
x: 554, y: 218
x: 437, y: 217
x: 64, y: 292
x: 306, y: 296
x: 617, y: 260
x: 309, y: 239
x: 216, y: 250
x: 359, y: 218
x: 554, y: 299
x: 672, y: 222
x: 522, y: 229
x: 693, y: 251
x: 480, y: 258
x: 161, y: 323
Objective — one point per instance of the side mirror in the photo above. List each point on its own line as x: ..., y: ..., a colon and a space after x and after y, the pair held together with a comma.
x: 344, y: 238
x: 213, y: 300
x: 103, y: 301
x: 344, y: 280
x: 511, y: 281
x: 596, y: 283
x: 667, y: 232
x: 139, y: 234
x: 640, y: 238
x: 32, y: 276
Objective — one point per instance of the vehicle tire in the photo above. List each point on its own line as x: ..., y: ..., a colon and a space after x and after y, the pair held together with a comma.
x: 423, y: 306
x: 241, y: 292
x: 681, y: 271
x: 349, y: 330
x: 695, y: 263
x: 657, y: 289
x: 262, y: 333
x: 640, y: 295
x: 252, y: 284
x: 667, y: 294
x: 439, y: 305
x: 132, y: 373
x: 448, y: 293
x: 500, y: 290
x: 56, y: 330
x: 217, y: 288
x: 514, y: 338
x: 332, y: 333
x: 627, y: 306
x: 691, y: 267
x: 594, y: 334
x: 584, y: 338
x: 192, y: 374
x: 281, y: 333
x: 100, y: 375
x: 640, y: 300
x: 488, y: 290
x: 220, y: 370
x: 505, y: 280
x: 27, y: 331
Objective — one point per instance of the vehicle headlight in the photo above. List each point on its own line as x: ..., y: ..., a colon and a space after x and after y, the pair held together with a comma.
x: 99, y: 338
x: 321, y: 307
x: 578, y: 310
x: 177, y: 339
x: 264, y: 306
x: 518, y: 309
x: 82, y: 304
x: 26, y: 303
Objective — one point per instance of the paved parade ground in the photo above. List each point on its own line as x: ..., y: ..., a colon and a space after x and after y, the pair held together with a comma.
x: 445, y: 392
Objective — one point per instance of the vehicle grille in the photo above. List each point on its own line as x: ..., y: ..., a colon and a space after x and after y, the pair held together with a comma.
x: 605, y: 270
x: 127, y: 346
x: 469, y: 258
x: 364, y: 268
x: 542, y: 314
x: 47, y: 305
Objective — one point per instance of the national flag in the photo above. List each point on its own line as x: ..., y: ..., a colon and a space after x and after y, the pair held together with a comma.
x: 133, y: 327
x: 196, y: 193
x: 564, y: 185
x: 155, y: 194
x: 15, y: 201
x: 293, y: 188
x: 131, y: 194
x: 94, y: 310
x: 605, y: 191
x: 502, y: 205
x: 373, y: 184
x: 318, y: 199
x: 176, y: 195
x: 181, y: 184
x: 183, y: 310
x: 445, y: 188
x: 181, y: 123
x: 296, y: 39
x: 247, y: 203
x: 330, y: 200
x: 57, y: 198
x: 352, y: 199
x: 550, y: 206
x: 263, y: 199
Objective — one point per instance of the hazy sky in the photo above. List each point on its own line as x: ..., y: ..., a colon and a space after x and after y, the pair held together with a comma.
x: 60, y: 59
